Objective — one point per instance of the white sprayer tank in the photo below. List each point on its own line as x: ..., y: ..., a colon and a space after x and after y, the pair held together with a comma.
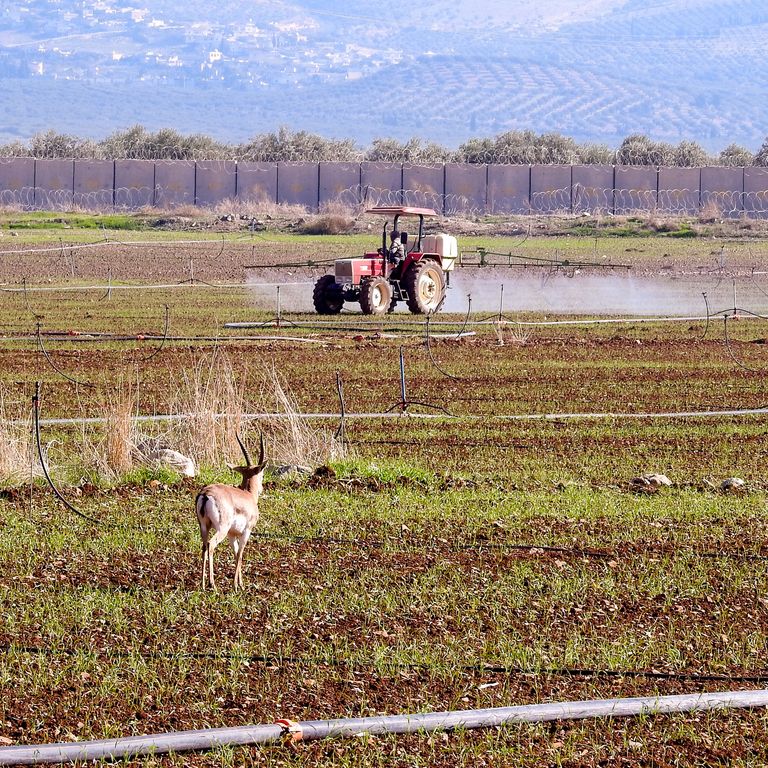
x: 444, y: 246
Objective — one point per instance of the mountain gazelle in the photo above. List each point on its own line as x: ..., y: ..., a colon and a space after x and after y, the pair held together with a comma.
x: 226, y: 511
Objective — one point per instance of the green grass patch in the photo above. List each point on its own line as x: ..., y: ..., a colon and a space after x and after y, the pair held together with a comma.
x: 42, y: 221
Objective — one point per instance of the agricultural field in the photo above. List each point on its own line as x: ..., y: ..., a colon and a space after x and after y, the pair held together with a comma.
x: 481, y: 545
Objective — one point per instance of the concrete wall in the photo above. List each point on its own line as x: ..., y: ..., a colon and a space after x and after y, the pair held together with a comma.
x: 339, y: 181
x: 509, y: 189
x: 215, y: 182
x: 635, y: 189
x: 298, y: 184
x: 257, y: 182
x: 592, y: 188
x: 551, y: 188
x: 722, y: 191
x: 424, y: 186
x: 134, y: 183
x: 679, y: 190
x: 94, y: 183
x: 174, y: 183
x: 466, y: 188
x: 381, y: 183
x: 756, y: 192
x: 17, y: 181
x: 54, y: 184
x: 452, y: 188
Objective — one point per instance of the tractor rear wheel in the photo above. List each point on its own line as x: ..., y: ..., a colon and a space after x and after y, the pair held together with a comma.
x: 327, y: 296
x: 375, y: 295
x: 425, y: 285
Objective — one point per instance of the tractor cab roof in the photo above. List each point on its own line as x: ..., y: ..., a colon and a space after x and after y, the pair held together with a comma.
x: 401, y: 210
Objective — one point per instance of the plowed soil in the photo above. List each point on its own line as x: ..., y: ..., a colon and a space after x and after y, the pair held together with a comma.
x: 520, y: 564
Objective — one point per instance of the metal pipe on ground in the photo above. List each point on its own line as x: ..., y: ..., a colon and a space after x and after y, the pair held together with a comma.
x: 308, y: 730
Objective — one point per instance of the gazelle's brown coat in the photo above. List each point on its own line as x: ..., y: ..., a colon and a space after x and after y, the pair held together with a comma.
x: 225, y: 511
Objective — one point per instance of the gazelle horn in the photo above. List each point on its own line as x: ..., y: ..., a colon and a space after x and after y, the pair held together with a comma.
x: 245, y: 452
x: 262, y: 460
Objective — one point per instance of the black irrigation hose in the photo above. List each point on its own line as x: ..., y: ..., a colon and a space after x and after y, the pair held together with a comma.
x: 341, y: 431
x: 59, y: 496
x: 732, y: 354
x: 432, y: 357
x: 164, y: 339
x: 405, y: 405
x: 55, y: 367
x: 466, y: 317
x: 531, y: 548
x: 706, y: 305
x: 482, y: 667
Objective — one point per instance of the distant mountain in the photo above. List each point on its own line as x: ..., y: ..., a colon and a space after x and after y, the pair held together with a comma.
x: 595, y: 70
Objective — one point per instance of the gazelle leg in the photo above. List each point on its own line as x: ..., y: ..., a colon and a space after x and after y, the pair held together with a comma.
x: 237, y: 549
x: 212, y: 544
x: 204, y: 559
x: 239, y: 564
x: 239, y: 568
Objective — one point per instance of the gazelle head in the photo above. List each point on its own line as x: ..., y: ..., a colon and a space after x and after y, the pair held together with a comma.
x: 250, y: 470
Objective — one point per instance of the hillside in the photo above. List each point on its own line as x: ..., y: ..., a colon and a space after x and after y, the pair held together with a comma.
x: 598, y: 71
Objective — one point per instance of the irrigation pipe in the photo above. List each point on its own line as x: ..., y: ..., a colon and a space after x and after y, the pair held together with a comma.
x: 486, y: 417
x: 27, y: 289
x: 166, y: 326
x: 494, y: 319
x: 141, y: 287
x: 111, y: 243
x: 55, y: 367
x: 432, y: 356
x: 88, y: 337
x: 59, y: 496
x: 370, y: 664
x: 286, y: 731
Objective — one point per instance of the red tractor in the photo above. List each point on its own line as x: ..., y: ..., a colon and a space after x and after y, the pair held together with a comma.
x: 419, y: 278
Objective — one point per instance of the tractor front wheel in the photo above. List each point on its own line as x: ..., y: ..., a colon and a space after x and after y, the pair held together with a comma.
x: 375, y: 295
x: 327, y: 296
x: 425, y: 285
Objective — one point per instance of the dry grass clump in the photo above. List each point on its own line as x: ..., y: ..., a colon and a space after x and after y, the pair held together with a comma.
x: 15, y: 442
x: 208, y: 410
x: 183, y: 210
x: 292, y: 439
x: 111, y: 451
x: 210, y: 403
x: 120, y: 437
x: 335, y: 218
x: 710, y: 212
x: 327, y: 224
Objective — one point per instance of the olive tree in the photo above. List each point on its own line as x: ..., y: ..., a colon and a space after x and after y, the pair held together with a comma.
x: 735, y: 156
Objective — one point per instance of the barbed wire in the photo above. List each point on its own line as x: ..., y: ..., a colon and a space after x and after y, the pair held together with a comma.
x: 447, y: 189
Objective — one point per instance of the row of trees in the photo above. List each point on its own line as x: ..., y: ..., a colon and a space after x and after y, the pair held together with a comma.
x: 512, y: 147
